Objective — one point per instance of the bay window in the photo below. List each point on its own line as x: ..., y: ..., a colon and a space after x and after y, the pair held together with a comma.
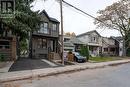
x: 44, y: 28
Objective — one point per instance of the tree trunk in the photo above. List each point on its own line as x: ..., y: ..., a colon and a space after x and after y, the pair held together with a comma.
x: 30, y: 45
x: 124, y: 48
x: 18, y: 46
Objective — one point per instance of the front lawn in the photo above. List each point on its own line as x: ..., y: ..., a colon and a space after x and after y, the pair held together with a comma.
x: 103, y: 59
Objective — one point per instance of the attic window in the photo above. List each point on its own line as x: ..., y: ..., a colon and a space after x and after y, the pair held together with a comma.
x: 93, y: 39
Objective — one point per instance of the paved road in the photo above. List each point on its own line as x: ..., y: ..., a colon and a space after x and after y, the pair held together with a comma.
x: 114, y: 76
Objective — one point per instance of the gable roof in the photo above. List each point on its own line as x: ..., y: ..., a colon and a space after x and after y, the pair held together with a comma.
x: 118, y: 38
x: 50, y: 18
x: 87, y: 33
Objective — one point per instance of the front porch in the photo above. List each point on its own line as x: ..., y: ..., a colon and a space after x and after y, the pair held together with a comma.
x: 111, y: 51
x: 43, y: 46
x: 94, y: 50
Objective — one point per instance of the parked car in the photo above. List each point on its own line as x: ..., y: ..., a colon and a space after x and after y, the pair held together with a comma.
x: 79, y: 58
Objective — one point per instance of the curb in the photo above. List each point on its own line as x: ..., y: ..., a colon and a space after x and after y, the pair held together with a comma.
x: 38, y: 73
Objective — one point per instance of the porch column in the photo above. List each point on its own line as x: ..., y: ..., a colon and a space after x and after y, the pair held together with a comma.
x: 108, y: 50
x: 54, y: 47
x: 57, y: 46
x: 97, y: 51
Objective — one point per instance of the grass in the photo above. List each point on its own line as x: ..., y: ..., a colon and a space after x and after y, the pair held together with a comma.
x: 103, y: 59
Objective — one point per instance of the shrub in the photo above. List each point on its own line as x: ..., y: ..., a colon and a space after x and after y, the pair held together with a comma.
x: 2, y: 57
x: 85, y: 51
x: 128, y: 52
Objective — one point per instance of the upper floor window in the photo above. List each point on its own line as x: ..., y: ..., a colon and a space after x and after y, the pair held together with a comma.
x: 54, y: 27
x: 44, y: 28
x: 7, y: 7
x: 93, y: 39
x: 66, y: 39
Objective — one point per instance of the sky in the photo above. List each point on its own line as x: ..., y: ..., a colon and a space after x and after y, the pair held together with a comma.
x: 73, y: 20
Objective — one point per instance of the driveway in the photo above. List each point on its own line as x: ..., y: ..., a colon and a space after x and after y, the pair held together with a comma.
x: 30, y: 64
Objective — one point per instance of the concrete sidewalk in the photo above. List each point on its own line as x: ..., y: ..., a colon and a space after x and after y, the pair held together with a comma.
x: 38, y: 73
x: 6, y: 66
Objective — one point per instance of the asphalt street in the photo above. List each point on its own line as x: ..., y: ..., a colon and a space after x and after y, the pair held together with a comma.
x: 112, y: 76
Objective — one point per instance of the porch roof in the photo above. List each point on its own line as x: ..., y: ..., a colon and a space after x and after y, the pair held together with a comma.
x: 94, y: 44
x: 68, y: 44
x: 74, y: 40
x: 112, y: 46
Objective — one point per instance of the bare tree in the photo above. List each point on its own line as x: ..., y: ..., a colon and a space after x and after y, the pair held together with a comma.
x: 115, y: 17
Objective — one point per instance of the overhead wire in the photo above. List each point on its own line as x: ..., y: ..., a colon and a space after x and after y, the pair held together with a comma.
x: 85, y: 13
x: 51, y: 6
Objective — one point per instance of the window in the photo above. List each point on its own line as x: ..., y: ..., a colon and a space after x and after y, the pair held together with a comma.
x: 42, y: 43
x: 44, y: 28
x: 93, y: 39
x: 54, y: 27
x: 4, y: 45
x: 7, y: 7
x: 66, y: 39
x: 105, y: 49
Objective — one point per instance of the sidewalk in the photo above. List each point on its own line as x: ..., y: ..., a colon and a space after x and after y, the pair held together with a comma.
x: 5, y: 66
x: 37, y: 73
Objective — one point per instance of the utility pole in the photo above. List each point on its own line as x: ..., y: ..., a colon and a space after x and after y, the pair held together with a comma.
x: 62, y: 42
x: 127, y: 51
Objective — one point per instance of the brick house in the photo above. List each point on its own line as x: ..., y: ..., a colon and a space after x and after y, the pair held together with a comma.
x: 7, y: 44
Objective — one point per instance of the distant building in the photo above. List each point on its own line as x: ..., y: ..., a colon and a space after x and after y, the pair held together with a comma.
x: 71, y: 43
x: 110, y: 47
x: 94, y: 41
x: 119, y: 42
x: 68, y: 46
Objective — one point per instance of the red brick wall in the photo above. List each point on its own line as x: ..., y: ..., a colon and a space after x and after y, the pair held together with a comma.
x: 13, y: 48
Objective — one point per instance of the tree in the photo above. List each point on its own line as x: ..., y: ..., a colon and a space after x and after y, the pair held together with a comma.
x: 85, y: 52
x: 115, y: 17
x: 25, y: 20
x: 68, y: 33
x: 73, y: 34
x: 24, y: 47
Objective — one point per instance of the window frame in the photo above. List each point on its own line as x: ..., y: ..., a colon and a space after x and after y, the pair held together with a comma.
x: 54, y: 26
x: 5, y: 9
x: 42, y: 43
x: 5, y: 46
x: 42, y: 28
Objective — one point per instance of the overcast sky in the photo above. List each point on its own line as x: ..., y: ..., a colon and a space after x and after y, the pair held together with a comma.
x: 75, y: 21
